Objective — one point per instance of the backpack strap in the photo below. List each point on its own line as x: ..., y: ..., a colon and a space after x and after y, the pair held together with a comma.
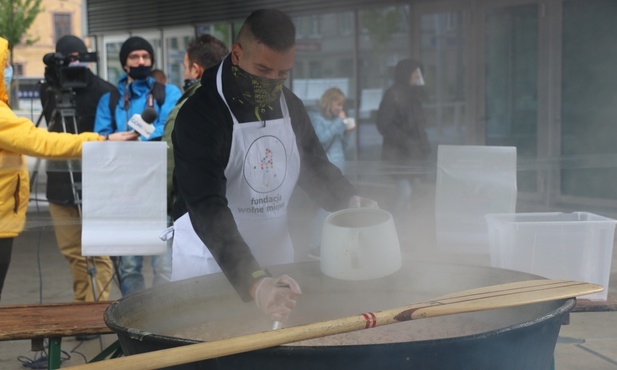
x: 157, y: 92
x: 114, y: 97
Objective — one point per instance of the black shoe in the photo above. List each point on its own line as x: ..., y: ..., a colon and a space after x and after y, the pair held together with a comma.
x: 39, y: 363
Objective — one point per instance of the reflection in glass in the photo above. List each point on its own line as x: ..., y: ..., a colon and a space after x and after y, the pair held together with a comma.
x: 114, y: 69
x: 384, y: 40
x: 588, y: 98
x: 512, y: 84
x: 324, y: 59
x: 442, y: 50
x: 176, y: 47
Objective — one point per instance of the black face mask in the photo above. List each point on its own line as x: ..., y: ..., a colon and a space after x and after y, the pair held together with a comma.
x: 140, y: 72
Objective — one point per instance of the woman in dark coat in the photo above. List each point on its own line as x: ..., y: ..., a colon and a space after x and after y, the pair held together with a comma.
x: 401, y: 122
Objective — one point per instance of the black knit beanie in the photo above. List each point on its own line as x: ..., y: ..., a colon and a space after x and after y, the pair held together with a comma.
x: 135, y: 43
x: 69, y: 44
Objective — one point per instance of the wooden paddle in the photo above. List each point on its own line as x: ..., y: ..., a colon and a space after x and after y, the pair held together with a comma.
x: 487, y: 298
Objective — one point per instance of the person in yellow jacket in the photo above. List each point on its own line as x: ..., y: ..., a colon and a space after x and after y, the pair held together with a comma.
x: 19, y: 137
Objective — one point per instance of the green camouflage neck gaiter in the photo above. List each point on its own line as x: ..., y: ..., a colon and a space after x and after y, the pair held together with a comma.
x: 257, y: 91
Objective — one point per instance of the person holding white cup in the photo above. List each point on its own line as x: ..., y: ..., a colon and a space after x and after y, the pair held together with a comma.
x: 350, y: 124
x: 333, y: 128
x: 332, y: 125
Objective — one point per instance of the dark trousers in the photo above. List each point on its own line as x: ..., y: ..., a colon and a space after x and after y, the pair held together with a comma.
x: 6, y: 249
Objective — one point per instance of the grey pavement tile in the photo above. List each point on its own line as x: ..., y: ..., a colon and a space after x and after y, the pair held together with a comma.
x: 591, y: 325
x: 575, y: 357
x: 603, y: 348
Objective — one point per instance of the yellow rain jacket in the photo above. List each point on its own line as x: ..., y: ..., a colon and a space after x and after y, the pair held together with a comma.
x: 19, y: 137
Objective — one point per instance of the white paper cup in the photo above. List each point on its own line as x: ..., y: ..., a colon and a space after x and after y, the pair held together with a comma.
x: 350, y: 123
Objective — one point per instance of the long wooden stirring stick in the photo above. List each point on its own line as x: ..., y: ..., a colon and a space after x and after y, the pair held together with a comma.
x: 486, y: 298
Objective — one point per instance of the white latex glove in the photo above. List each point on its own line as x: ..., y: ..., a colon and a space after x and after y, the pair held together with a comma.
x: 359, y: 202
x: 276, y: 296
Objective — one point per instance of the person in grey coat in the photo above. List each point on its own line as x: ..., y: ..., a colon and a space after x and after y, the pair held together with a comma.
x: 401, y: 121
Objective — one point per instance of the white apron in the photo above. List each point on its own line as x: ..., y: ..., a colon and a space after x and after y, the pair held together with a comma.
x: 262, y: 171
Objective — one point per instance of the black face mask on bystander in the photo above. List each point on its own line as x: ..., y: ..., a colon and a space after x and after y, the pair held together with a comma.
x: 140, y: 72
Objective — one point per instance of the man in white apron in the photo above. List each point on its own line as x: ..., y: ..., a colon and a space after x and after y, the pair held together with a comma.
x: 241, y: 144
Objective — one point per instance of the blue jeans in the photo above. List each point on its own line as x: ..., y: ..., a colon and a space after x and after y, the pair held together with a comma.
x: 131, y: 277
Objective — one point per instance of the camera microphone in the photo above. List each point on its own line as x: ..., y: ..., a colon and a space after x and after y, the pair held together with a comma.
x: 142, y: 123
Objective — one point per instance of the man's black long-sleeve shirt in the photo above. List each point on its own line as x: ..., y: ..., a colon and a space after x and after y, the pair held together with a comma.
x: 202, y: 141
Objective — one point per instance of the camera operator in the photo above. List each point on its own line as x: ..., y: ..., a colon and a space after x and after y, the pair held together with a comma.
x: 19, y: 137
x: 62, y: 205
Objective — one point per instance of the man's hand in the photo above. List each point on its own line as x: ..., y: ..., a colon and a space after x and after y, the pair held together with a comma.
x: 124, y: 136
x: 276, y: 296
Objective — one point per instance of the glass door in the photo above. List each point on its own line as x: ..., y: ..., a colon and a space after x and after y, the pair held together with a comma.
x: 325, y: 49
x: 588, y: 114
x: 383, y: 40
x: 546, y: 86
x: 175, y: 43
x: 510, y: 83
x: 443, y: 44
x: 110, y: 63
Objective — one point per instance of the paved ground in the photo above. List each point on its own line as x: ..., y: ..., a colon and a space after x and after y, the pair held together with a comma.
x: 40, y: 274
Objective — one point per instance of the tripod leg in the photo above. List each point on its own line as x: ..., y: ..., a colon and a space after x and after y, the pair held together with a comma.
x: 90, y: 263
x: 91, y: 268
x: 65, y: 114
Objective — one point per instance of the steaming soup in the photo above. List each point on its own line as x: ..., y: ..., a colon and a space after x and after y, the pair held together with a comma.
x: 427, y: 329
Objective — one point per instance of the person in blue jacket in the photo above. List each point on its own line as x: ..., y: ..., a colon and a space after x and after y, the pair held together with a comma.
x: 333, y: 129
x: 136, y: 91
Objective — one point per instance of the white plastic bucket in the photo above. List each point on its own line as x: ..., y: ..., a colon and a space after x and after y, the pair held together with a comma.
x: 359, y: 244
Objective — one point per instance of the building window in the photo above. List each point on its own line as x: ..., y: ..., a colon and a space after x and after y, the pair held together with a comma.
x: 308, y: 27
x: 18, y: 69
x: 345, y: 24
x: 62, y: 25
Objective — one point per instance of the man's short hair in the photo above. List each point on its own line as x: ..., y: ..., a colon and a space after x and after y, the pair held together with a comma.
x: 206, y: 50
x: 270, y: 27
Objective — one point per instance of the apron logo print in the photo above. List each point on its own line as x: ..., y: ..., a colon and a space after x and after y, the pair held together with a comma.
x: 265, y: 164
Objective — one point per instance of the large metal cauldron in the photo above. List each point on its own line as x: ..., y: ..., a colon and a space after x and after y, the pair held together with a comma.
x: 505, y: 339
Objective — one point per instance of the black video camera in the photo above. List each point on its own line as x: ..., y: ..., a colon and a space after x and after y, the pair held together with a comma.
x: 60, y: 75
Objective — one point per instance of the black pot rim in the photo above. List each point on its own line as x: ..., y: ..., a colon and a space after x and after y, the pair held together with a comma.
x: 564, y: 308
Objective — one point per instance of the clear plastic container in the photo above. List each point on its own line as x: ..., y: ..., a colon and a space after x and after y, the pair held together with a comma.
x: 568, y: 246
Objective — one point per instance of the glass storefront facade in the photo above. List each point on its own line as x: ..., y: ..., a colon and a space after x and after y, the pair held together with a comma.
x: 511, y: 83
x: 588, y: 96
x: 520, y: 73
